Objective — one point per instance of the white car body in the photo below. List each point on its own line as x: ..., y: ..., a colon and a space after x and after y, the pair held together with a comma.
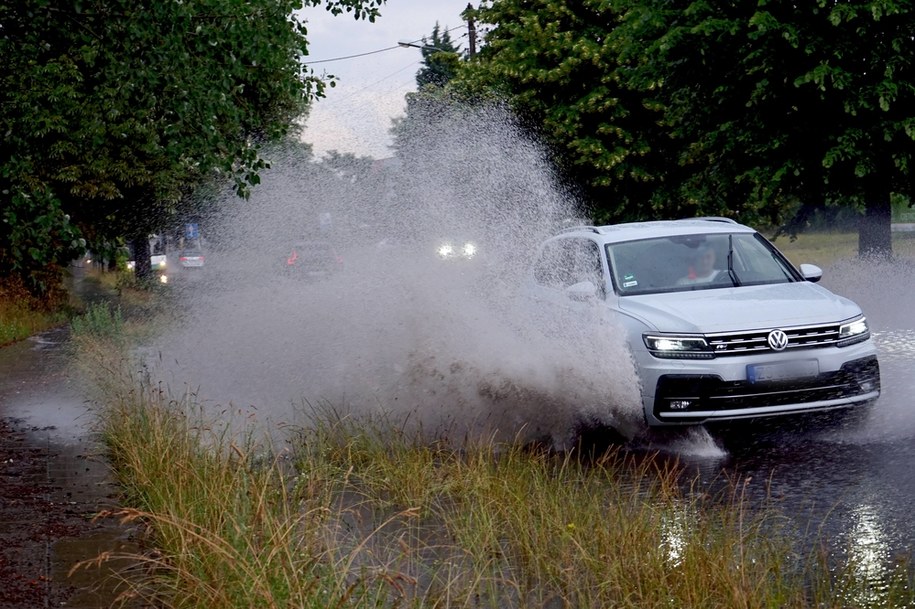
x: 760, y: 339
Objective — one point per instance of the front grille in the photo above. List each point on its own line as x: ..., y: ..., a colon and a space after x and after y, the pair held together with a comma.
x: 755, y: 341
x: 709, y: 392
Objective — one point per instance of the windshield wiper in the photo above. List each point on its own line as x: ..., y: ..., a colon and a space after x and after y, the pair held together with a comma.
x: 731, y: 272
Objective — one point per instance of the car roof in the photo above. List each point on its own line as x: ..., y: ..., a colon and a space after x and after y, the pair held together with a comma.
x: 633, y: 231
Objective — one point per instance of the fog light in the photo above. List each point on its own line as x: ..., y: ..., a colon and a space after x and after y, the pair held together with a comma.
x: 866, y: 386
x: 680, y: 404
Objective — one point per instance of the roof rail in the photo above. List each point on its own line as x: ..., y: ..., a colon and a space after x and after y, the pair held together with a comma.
x: 570, y: 229
x: 715, y: 219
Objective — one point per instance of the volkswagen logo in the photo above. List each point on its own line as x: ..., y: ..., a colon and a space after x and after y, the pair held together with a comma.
x: 778, y: 340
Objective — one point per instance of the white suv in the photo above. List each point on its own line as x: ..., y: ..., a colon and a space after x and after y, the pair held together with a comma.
x: 720, y: 325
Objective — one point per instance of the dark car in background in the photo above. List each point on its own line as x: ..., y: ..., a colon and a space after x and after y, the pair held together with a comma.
x: 313, y: 259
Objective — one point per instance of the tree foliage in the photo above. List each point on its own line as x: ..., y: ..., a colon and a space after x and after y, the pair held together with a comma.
x: 113, y: 110
x: 560, y: 65
x: 762, y: 111
x: 440, y: 59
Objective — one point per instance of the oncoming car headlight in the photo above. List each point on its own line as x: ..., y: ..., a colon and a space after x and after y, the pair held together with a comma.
x: 447, y: 250
x: 678, y: 346
x: 853, y: 332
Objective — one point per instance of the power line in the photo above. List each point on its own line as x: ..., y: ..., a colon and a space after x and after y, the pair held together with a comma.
x: 351, y: 94
x: 308, y: 63
x: 397, y: 46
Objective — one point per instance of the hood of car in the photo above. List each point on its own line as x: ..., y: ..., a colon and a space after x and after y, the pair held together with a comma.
x: 741, y: 308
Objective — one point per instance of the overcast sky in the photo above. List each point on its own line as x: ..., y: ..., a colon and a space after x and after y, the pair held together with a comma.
x: 356, y: 114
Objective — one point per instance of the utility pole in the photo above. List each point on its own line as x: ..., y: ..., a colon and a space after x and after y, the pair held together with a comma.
x: 471, y: 30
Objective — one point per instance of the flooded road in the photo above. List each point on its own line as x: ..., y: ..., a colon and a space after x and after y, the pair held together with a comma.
x: 53, y: 481
x: 850, y: 485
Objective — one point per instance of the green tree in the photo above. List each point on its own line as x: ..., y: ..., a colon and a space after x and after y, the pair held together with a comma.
x: 112, y: 111
x: 762, y: 111
x: 441, y: 58
x: 441, y: 63
x: 562, y: 69
x: 774, y: 104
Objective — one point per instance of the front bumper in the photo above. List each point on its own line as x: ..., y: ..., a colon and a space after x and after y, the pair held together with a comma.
x: 698, y: 393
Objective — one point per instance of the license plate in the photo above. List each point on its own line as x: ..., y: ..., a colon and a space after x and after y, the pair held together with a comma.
x: 782, y: 371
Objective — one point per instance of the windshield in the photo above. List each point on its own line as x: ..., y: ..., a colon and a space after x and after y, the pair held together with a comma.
x: 696, y: 262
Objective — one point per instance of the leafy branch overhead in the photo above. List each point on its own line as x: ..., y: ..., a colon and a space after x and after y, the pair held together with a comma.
x: 113, y: 110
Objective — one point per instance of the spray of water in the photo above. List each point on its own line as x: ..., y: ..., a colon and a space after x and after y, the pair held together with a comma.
x: 446, y: 344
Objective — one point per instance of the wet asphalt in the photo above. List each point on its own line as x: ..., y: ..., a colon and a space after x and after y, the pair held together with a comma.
x: 846, y: 485
x: 54, y: 481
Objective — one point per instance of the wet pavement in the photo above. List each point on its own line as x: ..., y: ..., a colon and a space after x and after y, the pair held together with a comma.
x: 848, y: 485
x: 53, y: 482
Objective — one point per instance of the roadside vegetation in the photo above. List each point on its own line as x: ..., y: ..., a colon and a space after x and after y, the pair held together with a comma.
x: 21, y: 316
x: 355, y: 512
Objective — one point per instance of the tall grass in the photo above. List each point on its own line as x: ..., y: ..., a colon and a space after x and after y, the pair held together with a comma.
x: 21, y: 315
x: 513, y: 527
x: 357, y: 512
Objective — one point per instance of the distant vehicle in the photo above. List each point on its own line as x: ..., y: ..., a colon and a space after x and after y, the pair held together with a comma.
x: 313, y: 259
x: 720, y: 325
x: 191, y: 257
x: 456, y: 249
x: 157, y: 259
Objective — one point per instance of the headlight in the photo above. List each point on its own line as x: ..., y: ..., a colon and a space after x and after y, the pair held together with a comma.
x: 448, y: 250
x: 853, y: 332
x: 678, y: 347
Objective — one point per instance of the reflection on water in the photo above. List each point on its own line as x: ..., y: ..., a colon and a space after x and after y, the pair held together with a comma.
x: 892, y: 418
x: 844, y: 487
x: 673, y: 535
x: 896, y: 343
x: 867, y: 550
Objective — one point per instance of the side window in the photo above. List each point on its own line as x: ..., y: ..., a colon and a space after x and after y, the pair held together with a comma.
x: 585, y: 262
x: 548, y: 268
x: 566, y: 262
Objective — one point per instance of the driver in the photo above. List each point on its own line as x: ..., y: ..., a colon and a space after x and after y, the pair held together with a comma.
x: 701, y: 267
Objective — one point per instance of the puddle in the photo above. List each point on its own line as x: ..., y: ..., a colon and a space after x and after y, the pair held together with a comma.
x: 53, y: 481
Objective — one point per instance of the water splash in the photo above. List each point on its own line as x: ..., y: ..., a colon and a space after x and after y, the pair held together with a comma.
x: 396, y: 328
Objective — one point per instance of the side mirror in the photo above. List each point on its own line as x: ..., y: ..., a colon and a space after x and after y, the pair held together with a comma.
x: 811, y: 272
x: 582, y: 291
